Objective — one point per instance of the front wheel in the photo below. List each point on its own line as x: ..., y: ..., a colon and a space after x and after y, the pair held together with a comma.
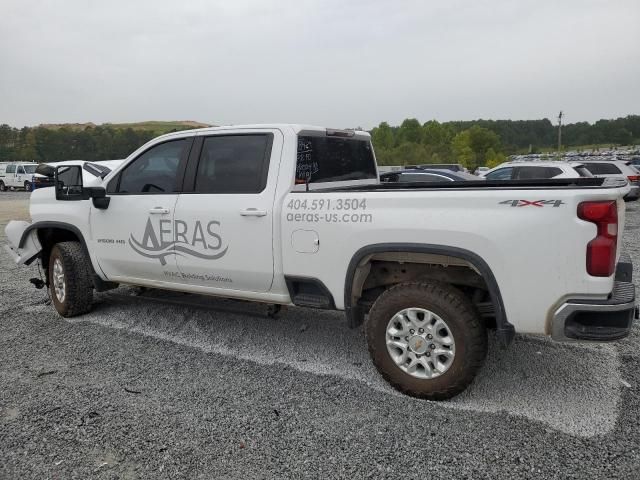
x: 70, y: 279
x: 426, y: 339
x: 27, y: 186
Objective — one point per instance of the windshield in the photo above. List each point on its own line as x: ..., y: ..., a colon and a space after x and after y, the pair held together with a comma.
x: 30, y: 168
x: 332, y: 159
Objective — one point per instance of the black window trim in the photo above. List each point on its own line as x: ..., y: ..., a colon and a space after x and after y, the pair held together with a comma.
x: 180, y: 172
x: 189, y: 184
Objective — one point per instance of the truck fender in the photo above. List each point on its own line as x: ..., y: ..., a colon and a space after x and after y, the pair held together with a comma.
x: 24, y: 245
x: 505, y: 331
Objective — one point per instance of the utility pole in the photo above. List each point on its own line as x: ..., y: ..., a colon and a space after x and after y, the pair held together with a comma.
x: 559, y: 132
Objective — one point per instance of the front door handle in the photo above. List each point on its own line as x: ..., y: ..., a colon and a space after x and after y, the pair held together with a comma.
x: 253, y: 212
x: 158, y: 211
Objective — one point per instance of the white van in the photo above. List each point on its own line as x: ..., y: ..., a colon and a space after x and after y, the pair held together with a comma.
x: 17, y: 175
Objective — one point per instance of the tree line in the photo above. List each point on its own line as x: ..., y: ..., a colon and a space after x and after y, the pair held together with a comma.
x: 472, y: 143
x: 488, y: 142
x: 45, y: 144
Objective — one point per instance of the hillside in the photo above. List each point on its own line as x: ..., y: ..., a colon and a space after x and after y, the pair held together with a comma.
x: 156, y: 126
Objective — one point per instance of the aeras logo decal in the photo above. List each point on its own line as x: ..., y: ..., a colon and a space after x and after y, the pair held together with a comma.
x: 176, y: 238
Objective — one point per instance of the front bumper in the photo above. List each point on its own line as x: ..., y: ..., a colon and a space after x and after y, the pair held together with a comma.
x: 599, y: 320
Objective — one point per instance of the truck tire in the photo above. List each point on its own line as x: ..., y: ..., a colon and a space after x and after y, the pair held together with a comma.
x: 70, y: 279
x: 27, y: 186
x: 426, y: 339
x: 3, y: 187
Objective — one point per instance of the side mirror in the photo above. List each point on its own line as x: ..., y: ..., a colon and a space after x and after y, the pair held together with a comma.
x: 99, y: 197
x: 68, y: 184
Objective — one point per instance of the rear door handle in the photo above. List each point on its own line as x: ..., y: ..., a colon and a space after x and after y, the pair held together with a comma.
x: 158, y: 211
x: 253, y: 212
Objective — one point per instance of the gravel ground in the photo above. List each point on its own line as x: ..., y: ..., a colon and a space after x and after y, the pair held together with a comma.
x: 153, y: 385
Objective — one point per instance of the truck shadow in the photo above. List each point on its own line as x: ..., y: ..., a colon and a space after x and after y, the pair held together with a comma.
x: 572, y: 388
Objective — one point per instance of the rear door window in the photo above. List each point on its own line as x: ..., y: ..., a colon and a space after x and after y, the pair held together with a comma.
x: 333, y: 159
x: 602, y: 168
x: 234, y: 164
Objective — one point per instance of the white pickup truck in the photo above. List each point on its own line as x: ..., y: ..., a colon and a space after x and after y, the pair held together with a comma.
x: 296, y: 215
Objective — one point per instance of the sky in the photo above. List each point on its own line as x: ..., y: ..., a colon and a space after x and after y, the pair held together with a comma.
x: 336, y: 63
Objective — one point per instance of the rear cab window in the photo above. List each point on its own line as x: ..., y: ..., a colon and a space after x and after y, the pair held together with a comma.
x: 335, y: 160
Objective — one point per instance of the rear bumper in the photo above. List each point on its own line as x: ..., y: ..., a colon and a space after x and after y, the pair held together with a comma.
x: 599, y: 320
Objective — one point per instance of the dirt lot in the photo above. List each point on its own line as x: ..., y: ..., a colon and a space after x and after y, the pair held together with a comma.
x: 175, y: 386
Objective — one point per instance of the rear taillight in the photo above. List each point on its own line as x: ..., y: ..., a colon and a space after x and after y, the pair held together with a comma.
x: 601, y: 251
x: 634, y: 178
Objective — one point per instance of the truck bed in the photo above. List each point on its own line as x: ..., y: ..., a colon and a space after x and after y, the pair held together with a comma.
x: 552, y: 183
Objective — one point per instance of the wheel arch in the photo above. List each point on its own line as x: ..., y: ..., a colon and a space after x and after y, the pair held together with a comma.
x: 51, y: 232
x: 359, y: 266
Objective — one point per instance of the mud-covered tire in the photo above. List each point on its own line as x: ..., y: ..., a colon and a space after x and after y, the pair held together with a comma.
x: 70, y: 263
x: 3, y: 187
x: 462, y: 319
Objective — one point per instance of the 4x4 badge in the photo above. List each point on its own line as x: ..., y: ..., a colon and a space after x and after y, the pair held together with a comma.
x: 532, y: 203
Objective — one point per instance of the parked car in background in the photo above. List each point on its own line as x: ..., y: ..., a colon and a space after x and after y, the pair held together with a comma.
x: 481, y: 171
x: 17, y: 175
x: 426, y: 175
x: 519, y: 170
x: 91, y: 171
x: 454, y: 167
x: 617, y: 169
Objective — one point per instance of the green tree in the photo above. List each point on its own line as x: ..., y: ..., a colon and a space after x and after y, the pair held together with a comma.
x: 382, y: 136
x: 436, y: 134
x: 410, y: 131
x: 493, y: 158
x: 471, y: 146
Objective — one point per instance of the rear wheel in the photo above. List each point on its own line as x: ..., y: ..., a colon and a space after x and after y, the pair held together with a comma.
x: 3, y: 187
x: 426, y: 339
x: 70, y: 279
